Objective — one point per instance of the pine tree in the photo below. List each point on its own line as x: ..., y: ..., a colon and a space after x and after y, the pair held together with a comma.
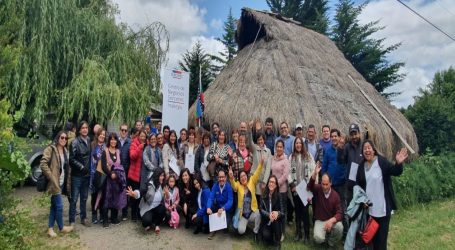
x: 193, y: 61
x: 228, y: 38
x: 311, y: 13
x: 366, y: 54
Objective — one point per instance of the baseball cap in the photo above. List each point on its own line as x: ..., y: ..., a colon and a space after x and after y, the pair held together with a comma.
x: 299, y: 126
x: 354, y: 128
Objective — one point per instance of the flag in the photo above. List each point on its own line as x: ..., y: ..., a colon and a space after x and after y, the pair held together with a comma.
x: 200, y: 105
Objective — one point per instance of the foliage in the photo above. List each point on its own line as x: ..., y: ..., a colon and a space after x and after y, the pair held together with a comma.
x: 73, y: 55
x: 14, y: 226
x: 433, y: 113
x: 428, y: 178
x: 196, y: 61
x: 311, y: 13
x: 228, y: 38
x: 366, y: 54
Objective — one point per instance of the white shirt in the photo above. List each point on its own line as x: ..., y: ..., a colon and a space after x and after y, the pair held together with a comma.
x: 312, y: 148
x: 199, y: 199
x: 62, y: 171
x: 375, y: 190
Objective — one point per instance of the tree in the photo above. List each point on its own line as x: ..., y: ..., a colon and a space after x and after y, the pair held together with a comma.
x: 228, y: 38
x: 77, y: 62
x: 366, y: 54
x: 433, y: 113
x: 191, y: 62
x: 311, y: 13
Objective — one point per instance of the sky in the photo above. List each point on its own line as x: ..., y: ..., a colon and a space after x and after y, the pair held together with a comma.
x: 424, y: 50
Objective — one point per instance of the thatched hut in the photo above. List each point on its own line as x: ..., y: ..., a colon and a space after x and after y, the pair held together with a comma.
x: 294, y: 74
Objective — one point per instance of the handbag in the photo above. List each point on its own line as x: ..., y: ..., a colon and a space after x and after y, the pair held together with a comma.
x: 211, y: 168
x: 370, y: 230
x: 100, y: 176
x: 41, y: 183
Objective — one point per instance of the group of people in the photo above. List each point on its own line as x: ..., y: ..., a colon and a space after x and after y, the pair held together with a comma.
x: 253, y: 178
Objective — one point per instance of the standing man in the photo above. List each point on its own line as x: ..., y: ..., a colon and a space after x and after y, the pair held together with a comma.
x: 299, y: 131
x: 157, y: 128
x: 336, y: 171
x: 243, y: 128
x: 166, y: 133
x: 286, y: 137
x: 270, y: 136
x: 312, y: 145
x: 325, y: 141
x: 80, y: 173
x: 124, y: 147
x: 327, y: 213
x: 215, y: 130
x: 138, y: 125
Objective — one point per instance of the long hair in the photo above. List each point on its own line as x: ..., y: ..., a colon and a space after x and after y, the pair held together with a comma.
x: 79, y: 127
x: 185, y: 170
x: 303, y: 152
x: 98, y: 133
x: 175, y: 145
x: 267, y: 190
x: 372, y: 145
x: 156, y: 177
x: 55, y: 142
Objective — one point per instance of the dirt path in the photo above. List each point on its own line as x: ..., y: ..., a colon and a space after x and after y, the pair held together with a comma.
x: 127, y: 235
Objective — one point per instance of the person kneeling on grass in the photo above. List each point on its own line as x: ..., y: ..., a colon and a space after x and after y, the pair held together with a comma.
x: 327, y: 210
x: 247, y: 206
x: 272, y: 212
x: 151, y: 206
x: 200, y: 218
x: 221, y: 199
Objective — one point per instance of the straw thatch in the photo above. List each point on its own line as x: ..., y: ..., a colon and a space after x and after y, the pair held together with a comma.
x: 293, y: 74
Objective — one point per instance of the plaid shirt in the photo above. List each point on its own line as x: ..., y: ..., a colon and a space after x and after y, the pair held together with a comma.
x: 237, y: 163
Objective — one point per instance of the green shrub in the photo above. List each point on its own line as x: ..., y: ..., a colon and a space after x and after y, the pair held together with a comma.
x: 428, y: 178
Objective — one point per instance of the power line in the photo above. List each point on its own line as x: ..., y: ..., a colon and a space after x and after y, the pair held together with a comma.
x: 426, y: 20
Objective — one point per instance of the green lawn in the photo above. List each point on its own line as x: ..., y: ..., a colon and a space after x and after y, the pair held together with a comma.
x: 427, y: 226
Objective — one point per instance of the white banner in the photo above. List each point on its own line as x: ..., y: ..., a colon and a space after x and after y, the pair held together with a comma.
x: 175, y: 98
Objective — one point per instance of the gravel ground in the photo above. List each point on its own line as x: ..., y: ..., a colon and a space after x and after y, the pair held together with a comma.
x: 127, y: 235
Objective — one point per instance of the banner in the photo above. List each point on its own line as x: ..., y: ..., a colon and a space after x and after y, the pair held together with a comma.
x: 175, y: 98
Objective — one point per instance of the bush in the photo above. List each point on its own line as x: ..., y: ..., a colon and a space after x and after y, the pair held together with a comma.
x: 428, y: 178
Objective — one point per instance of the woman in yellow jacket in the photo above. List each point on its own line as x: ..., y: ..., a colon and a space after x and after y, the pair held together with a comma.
x: 247, y: 206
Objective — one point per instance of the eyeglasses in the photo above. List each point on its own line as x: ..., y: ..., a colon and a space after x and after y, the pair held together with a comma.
x: 221, y: 177
x: 283, y: 127
x: 124, y: 130
x: 63, y: 138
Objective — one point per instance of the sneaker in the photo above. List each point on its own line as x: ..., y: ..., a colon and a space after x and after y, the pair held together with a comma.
x: 211, y: 235
x: 282, y: 238
x: 105, y: 224
x: 51, y: 233
x: 255, y: 238
x: 67, y: 229
x: 115, y: 221
x: 86, y: 223
x: 197, y: 230
x: 124, y: 217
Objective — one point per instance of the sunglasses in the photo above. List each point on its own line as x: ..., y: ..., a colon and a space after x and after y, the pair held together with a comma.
x: 63, y: 138
x: 124, y: 130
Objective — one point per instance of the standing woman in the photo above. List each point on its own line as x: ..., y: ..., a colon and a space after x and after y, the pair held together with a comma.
x: 301, y: 167
x: 151, y: 205
x: 187, y: 196
x: 170, y: 151
x: 98, y: 147
x: 260, y: 152
x: 114, y: 190
x: 272, y: 208
x: 134, y: 174
x: 374, y: 176
x: 190, y: 146
x: 55, y: 167
x: 152, y: 159
x: 241, y: 159
x: 280, y: 169
x: 200, y: 160
x: 218, y: 155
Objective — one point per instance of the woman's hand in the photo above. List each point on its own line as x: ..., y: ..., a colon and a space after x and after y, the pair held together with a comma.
x: 130, y: 192
x: 193, y: 218
x: 231, y: 173
x: 113, y: 176
x: 401, y: 156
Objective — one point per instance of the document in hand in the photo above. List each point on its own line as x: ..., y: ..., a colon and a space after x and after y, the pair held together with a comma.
x: 189, y: 162
x: 173, y: 165
x: 217, y: 222
x: 303, y: 193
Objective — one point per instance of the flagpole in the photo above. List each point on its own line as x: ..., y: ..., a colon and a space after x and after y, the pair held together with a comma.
x: 200, y: 89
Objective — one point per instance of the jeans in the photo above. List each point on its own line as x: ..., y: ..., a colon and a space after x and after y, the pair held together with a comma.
x: 332, y: 237
x: 79, y: 186
x: 56, y: 213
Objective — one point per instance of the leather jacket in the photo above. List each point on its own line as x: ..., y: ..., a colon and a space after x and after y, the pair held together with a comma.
x: 80, y: 157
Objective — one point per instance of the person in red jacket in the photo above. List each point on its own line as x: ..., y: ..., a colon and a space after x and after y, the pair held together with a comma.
x: 134, y: 173
x: 327, y: 210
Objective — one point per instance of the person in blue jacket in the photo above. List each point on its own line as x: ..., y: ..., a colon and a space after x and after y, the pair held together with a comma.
x: 200, y: 218
x: 221, y: 199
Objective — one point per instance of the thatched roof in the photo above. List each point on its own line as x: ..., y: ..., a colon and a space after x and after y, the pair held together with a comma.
x: 294, y: 74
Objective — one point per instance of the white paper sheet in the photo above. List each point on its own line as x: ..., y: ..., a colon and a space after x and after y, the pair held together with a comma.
x: 204, y: 172
x: 173, y: 165
x: 353, y: 171
x: 303, y: 193
x: 189, y: 162
x: 217, y: 222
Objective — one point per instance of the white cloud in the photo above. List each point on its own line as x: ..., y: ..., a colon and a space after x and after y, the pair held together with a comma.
x: 183, y: 20
x: 216, y: 24
x: 424, y: 50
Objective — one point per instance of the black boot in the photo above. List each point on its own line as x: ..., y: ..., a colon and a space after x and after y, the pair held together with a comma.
x: 298, y: 232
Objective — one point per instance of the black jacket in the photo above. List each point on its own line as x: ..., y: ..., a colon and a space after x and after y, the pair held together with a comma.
x: 125, y: 155
x: 277, y: 205
x: 199, y: 158
x: 80, y: 157
x: 388, y: 170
